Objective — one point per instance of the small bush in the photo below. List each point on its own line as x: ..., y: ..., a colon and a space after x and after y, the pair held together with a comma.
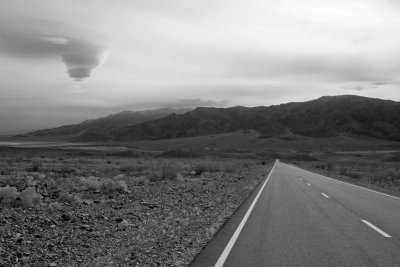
x: 108, y: 186
x: 65, y: 169
x: 230, y: 167
x: 343, y: 171
x: 8, y: 194
x: 329, y: 166
x: 11, y: 196
x: 5, y: 171
x: 163, y: 170
x: 206, y: 166
x: 69, y: 198
x: 29, y: 197
x: 132, y: 167
x: 111, y: 186
x: 90, y: 183
x: 141, y: 180
x: 36, y: 166
x: 55, y: 206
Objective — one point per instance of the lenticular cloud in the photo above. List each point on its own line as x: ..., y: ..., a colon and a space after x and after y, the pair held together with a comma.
x: 81, y: 58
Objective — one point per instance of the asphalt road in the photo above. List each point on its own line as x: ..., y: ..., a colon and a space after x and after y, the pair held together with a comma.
x: 299, y: 218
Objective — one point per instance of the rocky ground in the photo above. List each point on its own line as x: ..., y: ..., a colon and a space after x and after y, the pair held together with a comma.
x: 116, y: 212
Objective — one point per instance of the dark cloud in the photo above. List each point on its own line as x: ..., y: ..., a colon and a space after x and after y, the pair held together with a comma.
x: 81, y: 58
x: 41, y: 39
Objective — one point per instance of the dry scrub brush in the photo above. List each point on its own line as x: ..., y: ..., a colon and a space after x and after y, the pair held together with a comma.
x: 9, y: 196
x: 163, y: 170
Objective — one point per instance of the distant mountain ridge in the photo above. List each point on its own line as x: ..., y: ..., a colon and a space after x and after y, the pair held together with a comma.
x: 323, y: 117
x: 101, y: 128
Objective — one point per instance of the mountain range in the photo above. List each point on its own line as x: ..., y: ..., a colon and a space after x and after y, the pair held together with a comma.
x: 326, y: 116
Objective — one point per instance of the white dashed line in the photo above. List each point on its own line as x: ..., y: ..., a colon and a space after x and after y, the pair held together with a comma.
x: 325, y: 195
x: 360, y: 187
x: 376, y: 228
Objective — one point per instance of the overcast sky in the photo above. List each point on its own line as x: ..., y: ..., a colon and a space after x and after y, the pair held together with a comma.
x: 63, y: 61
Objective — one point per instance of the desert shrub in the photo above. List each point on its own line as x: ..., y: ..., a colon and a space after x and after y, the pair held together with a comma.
x: 132, y: 167
x: 389, y: 175
x: 109, y: 170
x: 65, y: 169
x: 206, y: 166
x: 10, y: 161
x: 36, y: 166
x: 30, y: 181
x: 55, y: 206
x: 343, y: 171
x: 111, y: 186
x: 141, y: 180
x: 108, y: 186
x: 329, y: 166
x: 90, y: 183
x: 69, y: 198
x: 29, y: 197
x: 354, y: 175
x: 8, y: 194
x: 163, y: 170
x: 5, y: 171
x: 230, y: 167
x: 26, y: 198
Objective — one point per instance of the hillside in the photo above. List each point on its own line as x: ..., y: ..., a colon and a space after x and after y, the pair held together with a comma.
x: 100, y: 129
x: 324, y: 117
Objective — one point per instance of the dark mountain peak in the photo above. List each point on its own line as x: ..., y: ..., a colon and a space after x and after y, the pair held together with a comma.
x: 351, y: 98
x: 322, y: 117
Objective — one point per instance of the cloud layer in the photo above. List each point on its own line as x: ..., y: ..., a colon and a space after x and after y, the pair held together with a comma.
x: 190, y: 53
x: 43, y: 39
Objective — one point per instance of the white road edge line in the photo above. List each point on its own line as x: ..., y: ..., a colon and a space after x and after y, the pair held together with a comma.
x: 229, y: 246
x: 350, y: 184
x: 308, y: 184
x: 376, y: 228
x: 325, y: 195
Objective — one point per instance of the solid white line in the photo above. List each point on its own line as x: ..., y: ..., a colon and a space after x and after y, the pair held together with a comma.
x: 350, y: 184
x: 376, y: 228
x: 308, y: 184
x: 325, y: 195
x: 229, y: 246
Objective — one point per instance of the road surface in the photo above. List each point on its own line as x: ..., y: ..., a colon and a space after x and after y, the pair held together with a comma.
x: 298, y: 218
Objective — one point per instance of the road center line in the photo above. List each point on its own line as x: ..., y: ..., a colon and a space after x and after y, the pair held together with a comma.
x: 308, y: 184
x: 325, y: 195
x: 229, y: 246
x: 336, y: 180
x: 376, y: 228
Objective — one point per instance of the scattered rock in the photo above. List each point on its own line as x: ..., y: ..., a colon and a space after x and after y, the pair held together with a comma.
x: 124, y: 223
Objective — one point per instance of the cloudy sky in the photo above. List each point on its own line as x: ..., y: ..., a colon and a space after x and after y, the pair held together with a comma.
x: 63, y: 61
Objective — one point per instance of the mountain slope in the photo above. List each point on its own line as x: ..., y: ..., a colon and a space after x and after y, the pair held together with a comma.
x: 323, y: 117
x: 100, y: 129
